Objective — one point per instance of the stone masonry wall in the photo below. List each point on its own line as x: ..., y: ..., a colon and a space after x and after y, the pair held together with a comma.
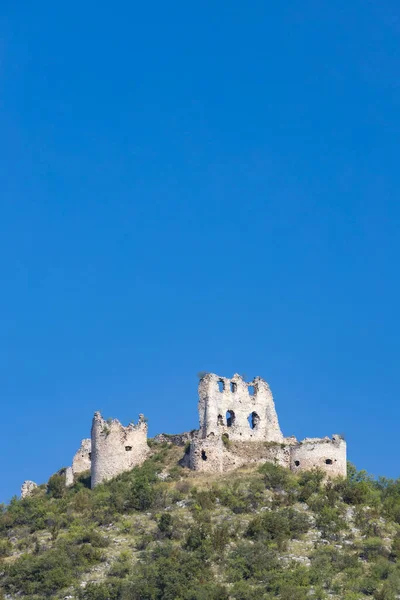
x: 27, y: 488
x: 116, y: 448
x: 329, y: 455
x: 243, y: 411
x: 83, y: 457
x: 207, y: 455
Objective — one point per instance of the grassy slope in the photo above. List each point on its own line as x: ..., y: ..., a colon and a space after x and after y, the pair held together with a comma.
x: 164, y: 532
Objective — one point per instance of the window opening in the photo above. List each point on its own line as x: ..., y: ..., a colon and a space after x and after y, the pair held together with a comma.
x: 220, y: 420
x: 329, y: 461
x: 221, y: 385
x: 203, y: 455
x: 233, y: 387
x: 253, y: 420
x: 128, y: 448
x: 297, y: 463
x: 251, y: 390
x: 230, y: 418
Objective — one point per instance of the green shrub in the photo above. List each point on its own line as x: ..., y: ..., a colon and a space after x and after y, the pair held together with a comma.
x: 165, y: 524
x: 56, y: 486
x: 277, y: 477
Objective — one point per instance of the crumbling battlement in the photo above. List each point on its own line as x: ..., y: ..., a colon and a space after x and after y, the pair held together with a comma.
x: 238, y: 426
x: 116, y: 448
x: 243, y: 411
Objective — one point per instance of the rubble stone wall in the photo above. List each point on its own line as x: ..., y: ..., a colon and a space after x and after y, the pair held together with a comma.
x: 243, y: 411
x: 116, y: 448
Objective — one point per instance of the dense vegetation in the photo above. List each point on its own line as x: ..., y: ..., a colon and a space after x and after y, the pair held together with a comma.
x: 163, y: 532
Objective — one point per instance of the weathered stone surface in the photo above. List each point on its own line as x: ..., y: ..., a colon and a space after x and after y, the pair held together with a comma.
x: 244, y: 411
x: 327, y: 454
x: 177, y: 439
x: 116, y: 448
x: 69, y: 477
x: 238, y: 426
x: 244, y: 416
x: 27, y: 488
x: 83, y: 457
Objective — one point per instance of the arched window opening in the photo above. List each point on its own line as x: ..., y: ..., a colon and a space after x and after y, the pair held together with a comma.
x: 253, y: 420
x: 220, y: 420
x: 230, y: 418
x: 221, y: 385
x: 203, y: 455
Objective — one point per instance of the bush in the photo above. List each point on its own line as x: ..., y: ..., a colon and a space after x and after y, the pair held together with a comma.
x: 165, y: 524
x: 56, y: 486
x: 278, y: 526
x: 277, y: 477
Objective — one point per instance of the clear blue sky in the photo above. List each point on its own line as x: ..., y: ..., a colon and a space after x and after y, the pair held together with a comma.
x: 198, y: 186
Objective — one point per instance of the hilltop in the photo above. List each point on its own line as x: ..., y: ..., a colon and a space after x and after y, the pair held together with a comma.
x: 163, y: 531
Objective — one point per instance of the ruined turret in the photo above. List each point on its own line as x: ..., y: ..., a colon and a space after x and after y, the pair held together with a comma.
x: 116, y: 448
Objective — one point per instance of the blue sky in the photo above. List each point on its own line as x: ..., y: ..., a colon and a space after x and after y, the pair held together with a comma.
x: 190, y: 187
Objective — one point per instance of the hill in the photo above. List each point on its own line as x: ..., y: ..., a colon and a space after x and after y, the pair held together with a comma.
x: 163, y: 532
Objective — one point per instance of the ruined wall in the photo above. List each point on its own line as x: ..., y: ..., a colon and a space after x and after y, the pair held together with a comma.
x: 81, y: 462
x: 244, y: 415
x: 27, y: 488
x: 116, y: 448
x: 206, y: 455
x: 326, y: 454
x: 83, y: 457
x: 211, y: 455
x: 243, y: 411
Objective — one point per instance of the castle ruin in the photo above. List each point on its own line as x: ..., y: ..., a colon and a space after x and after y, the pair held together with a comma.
x: 238, y: 426
x: 116, y: 448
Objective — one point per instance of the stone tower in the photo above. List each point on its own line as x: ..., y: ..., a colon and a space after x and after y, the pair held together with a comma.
x: 116, y: 448
x: 242, y: 411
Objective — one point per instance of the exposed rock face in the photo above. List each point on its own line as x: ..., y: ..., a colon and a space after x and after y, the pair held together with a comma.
x: 116, y: 448
x: 27, y: 488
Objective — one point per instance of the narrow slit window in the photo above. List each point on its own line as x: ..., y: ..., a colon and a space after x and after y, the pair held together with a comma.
x: 203, y: 455
x: 221, y: 385
x: 233, y: 387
